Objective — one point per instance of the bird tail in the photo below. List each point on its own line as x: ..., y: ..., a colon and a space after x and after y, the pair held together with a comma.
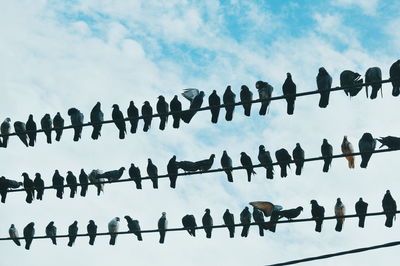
x: 139, y: 237
x: 247, y: 110
x: 324, y: 100
x: 249, y: 175
x: 208, y: 234
x: 121, y: 134
x: 325, y: 169
x: 5, y: 141
x: 365, y: 160
x: 162, y: 124
x: 113, y: 238
x: 95, y: 134
x: 229, y: 175
x: 374, y: 92
x: 70, y: 243
x: 290, y: 107
x: 361, y: 221
x: 245, y: 231
x: 59, y: 193
x: 146, y: 127
x: 29, y: 198
x: 16, y: 241
x: 298, y: 170
x: 54, y: 240
x: 351, y: 160
x: 72, y: 193
x: 155, y: 182
x: 396, y: 91
x: 172, y: 181
x: 28, y: 245
x: 83, y: 191
x: 232, y: 232
x: 187, y: 115
x: 162, y: 237
x: 283, y: 171
x: 270, y: 172
x: 318, y: 226
x: 134, y: 126
x: 31, y: 142
x: 58, y: 135
x: 48, y: 137
x: 261, y: 230
x: 263, y: 109
x: 214, y: 115
x: 3, y: 196
x: 389, y: 220
x: 77, y: 134
x: 39, y: 195
x: 339, y: 225
x: 177, y: 119
x: 229, y: 115
x: 91, y: 240
x: 138, y: 185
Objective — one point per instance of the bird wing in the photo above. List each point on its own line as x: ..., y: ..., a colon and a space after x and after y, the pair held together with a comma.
x: 190, y: 93
x: 266, y: 207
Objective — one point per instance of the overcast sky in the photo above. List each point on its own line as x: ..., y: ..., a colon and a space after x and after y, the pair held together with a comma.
x: 61, y: 54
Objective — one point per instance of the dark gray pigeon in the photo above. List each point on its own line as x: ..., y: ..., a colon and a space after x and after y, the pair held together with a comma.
x: 29, y: 233
x: 176, y: 108
x: 264, y: 157
x: 58, y: 123
x: 205, y: 165
x: 20, y: 130
x: 172, y: 170
x: 5, y: 129
x: 46, y: 124
x: 298, y: 157
x: 290, y: 213
x: 389, y: 207
x: 58, y: 184
x: 187, y: 166
x: 265, y: 94
x: 162, y: 110
x: 96, y: 118
x: 374, y: 74
x: 283, y: 158
x: 29, y: 187
x: 119, y: 121
x: 112, y: 175
x: 147, y: 112
x: 226, y: 163
x: 390, y: 141
x: 72, y: 232
x: 214, y: 101
x: 289, y: 88
x: 366, y: 146
x: 31, y: 130
x: 258, y: 218
x: 327, y: 152
x: 133, y: 114
x: 361, y: 209
x: 196, y: 103
x: 39, y: 186
x: 246, y: 162
x: 92, y: 231
x: 51, y: 232
x: 134, y: 174
x: 324, y: 84
x: 229, y: 221
x: 113, y: 227
x: 229, y: 100
x: 394, y: 73
x: 246, y: 96
x: 162, y: 226
x: 134, y: 227
x: 189, y: 223
x: 351, y: 79
x: 318, y: 213
x: 13, y: 232
x: 72, y: 183
x: 6, y: 184
x: 152, y: 171
x: 84, y: 181
x: 207, y: 222
x: 245, y: 219
x: 76, y: 121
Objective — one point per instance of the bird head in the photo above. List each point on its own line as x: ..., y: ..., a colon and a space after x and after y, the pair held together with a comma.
x: 115, y: 106
x: 161, y: 98
x: 12, y: 226
x: 25, y: 175
x: 51, y: 223
x: 360, y: 199
x: 30, y: 117
x: 163, y: 214
x: 127, y: 217
x: 300, y: 208
x: 69, y: 172
x: 122, y: 169
x: 56, y: 172
x: 388, y: 191
x: 313, y: 202
x: 207, y: 211
x: 325, y: 141
x: 75, y: 223
x: 338, y: 200
x: 212, y: 156
x: 37, y: 175
x: 297, y: 144
x: 288, y: 75
x: 91, y: 221
x: 8, y: 120
x: 98, y: 105
x: 261, y: 148
x: 117, y: 219
x: 146, y: 103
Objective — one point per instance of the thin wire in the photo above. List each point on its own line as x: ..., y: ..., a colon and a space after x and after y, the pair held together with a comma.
x: 209, y: 107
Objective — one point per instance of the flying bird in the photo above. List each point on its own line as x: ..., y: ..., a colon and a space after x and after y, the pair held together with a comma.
x: 214, y: 101
x: 327, y: 152
x: 76, y: 121
x: 58, y: 123
x: 72, y: 232
x: 84, y: 181
x: 39, y: 186
x: 390, y: 141
x: 46, y: 124
x: 96, y: 118
x: 162, y: 110
x: 374, y: 74
x: 29, y: 187
x: 176, y: 108
x: 290, y: 213
x: 13, y: 232
x: 29, y: 233
x: 389, y: 207
x: 152, y: 171
x: 366, y: 146
x: 283, y: 158
x: 226, y: 163
x: 264, y: 157
x: 318, y: 213
x: 352, y: 80
x: 134, y: 227
x: 189, y: 223
x: 207, y: 222
x: 298, y: 157
x: 229, y: 100
x: 229, y: 221
x: 92, y: 231
x: 266, y: 207
x: 394, y: 73
x: 119, y: 121
x: 58, y: 184
x: 147, y: 112
x: 245, y: 220
x: 195, y: 103
x: 113, y: 226
x: 72, y: 183
x: 265, y: 94
x: 172, y: 170
x: 5, y: 130
x: 51, y: 232
x: 246, y: 96
x: 134, y: 174
x: 361, y: 210
x: 31, y: 130
x: 340, y: 210
x: 162, y: 226
x: 259, y: 218
x: 324, y: 84
x: 205, y: 165
x: 347, y: 148
x: 133, y: 115
x: 246, y: 162
x: 20, y: 130
x: 289, y: 89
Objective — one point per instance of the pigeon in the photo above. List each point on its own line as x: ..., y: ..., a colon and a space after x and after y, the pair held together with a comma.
x: 318, y: 213
x: 51, y: 232
x: 162, y: 226
x: 352, y: 80
x: 187, y: 166
x: 76, y: 121
x: 265, y: 94
x: 298, y: 157
x: 327, y: 152
x: 119, y: 121
x: 291, y: 213
x: 147, y: 112
x: 266, y: 207
x: 84, y: 181
x: 205, y: 165
x: 245, y: 220
x: 134, y: 227
x: 214, y: 101
x: 72, y: 232
x: 289, y: 89
x: 271, y: 225
x: 176, y: 108
x: 39, y: 186
x: 46, y: 124
x: 133, y: 115
x: 98, y: 182
x: 162, y: 110
x: 6, y: 184
x: 58, y: 184
x: 229, y: 100
x: 246, y: 96
x: 324, y: 84
x: 226, y: 163
x: 264, y: 157
x: 340, y: 210
x: 96, y: 118
x: 390, y: 141
x: 5, y: 130
x: 366, y: 146
x: 394, y: 73
x: 389, y: 207
x: 283, y: 158
x: 92, y: 231
x: 229, y: 221
x: 189, y: 223
x: 373, y: 74
x: 258, y: 218
x: 29, y: 233
x: 134, y: 174
x: 172, y: 170
x: 72, y: 183
x: 58, y: 123
x: 246, y: 162
x: 152, y: 171
x: 190, y: 94
x: 29, y: 187
x: 113, y: 175
x: 361, y: 210
x: 20, y: 130
x: 347, y: 148
x: 207, y: 222
x: 31, y: 130
x: 113, y: 226
x: 14, y: 234
x: 195, y: 104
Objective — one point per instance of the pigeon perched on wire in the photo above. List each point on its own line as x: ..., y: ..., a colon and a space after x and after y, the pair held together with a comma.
x: 162, y: 110
x: 361, y: 210
x: 39, y: 186
x: 205, y: 165
x: 374, y: 74
x: 265, y: 94
x: 72, y: 232
x: 113, y: 175
x: 29, y: 233
x: 229, y: 100
x: 133, y: 115
x: 298, y: 157
x: 51, y: 232
x: 92, y: 232
x: 264, y: 157
x: 324, y: 84
x: 290, y: 213
x: 366, y: 146
x: 389, y: 207
x: 72, y: 183
x: 226, y: 163
x: 289, y: 89
x: 6, y: 184
x: 162, y: 226
x: 196, y: 100
x: 283, y: 158
x: 46, y: 123
x: 318, y: 213
x: 84, y: 181
x: 229, y: 221
x: 394, y: 73
x: 113, y: 227
x: 119, y: 121
x: 207, y: 222
x: 96, y: 180
x: 29, y: 187
x: 352, y: 80
x: 20, y: 130
x: 5, y: 128
x: 259, y: 218
x: 176, y: 108
x: 246, y: 162
x: 96, y: 118
x: 390, y: 141
x: 134, y: 174
x: 172, y: 170
x: 152, y: 171
x: 340, y: 210
x: 134, y: 227
x: 245, y: 220
x: 189, y: 223
x: 31, y: 130
x: 58, y: 123
x: 246, y: 96
x: 58, y: 184
x: 187, y: 166
x: 76, y: 121
x: 13, y: 232
x: 347, y: 148
x: 327, y: 152
x: 147, y: 112
x: 214, y: 101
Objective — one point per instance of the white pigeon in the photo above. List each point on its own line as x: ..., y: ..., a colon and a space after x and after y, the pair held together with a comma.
x: 113, y: 226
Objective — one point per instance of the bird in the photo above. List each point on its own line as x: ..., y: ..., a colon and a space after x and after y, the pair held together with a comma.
x: 112, y: 175
x: 266, y: 207
x: 29, y: 187
x: 5, y: 130
x: 134, y: 227
x: 259, y: 218
x: 207, y: 222
x: 96, y: 118
x: 366, y: 145
x: 189, y: 223
x: 361, y: 209
x: 92, y: 231
x: 289, y: 89
x: 324, y: 84
x: 373, y: 74
x: 72, y: 232
x: 271, y: 225
x: 352, y: 80
x: 264, y: 157
x: 347, y: 148
x: 226, y: 163
x: 205, y: 165
x: 98, y: 182
x: 133, y: 115
x: 58, y: 184
x: 246, y: 96
x: 340, y: 210
x: 318, y: 213
x: 113, y: 226
x: 134, y: 174
x: 29, y: 233
x: 162, y: 226
x: 187, y: 166
x: 176, y: 109
x: 298, y: 157
x: 394, y: 73
x: 389, y: 207
x: 229, y: 100
x: 51, y: 232
x: 72, y: 183
x: 214, y: 101
x: 119, y: 121
x: 265, y: 93
x: 31, y: 130
x: 290, y: 213
x: 229, y: 221
x: 46, y: 123
x: 196, y: 98
x: 84, y: 181
x: 6, y: 184
x: 20, y: 130
x: 76, y: 121
x: 162, y: 110
x: 327, y: 152
x: 245, y: 220
x: 390, y: 141
x: 58, y: 123
x: 152, y: 171
x: 246, y: 162
x: 172, y: 170
x: 283, y: 158
x: 147, y: 112
x: 13, y: 232
x: 39, y: 186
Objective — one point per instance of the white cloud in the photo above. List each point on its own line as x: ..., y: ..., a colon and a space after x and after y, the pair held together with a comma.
x: 368, y: 7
